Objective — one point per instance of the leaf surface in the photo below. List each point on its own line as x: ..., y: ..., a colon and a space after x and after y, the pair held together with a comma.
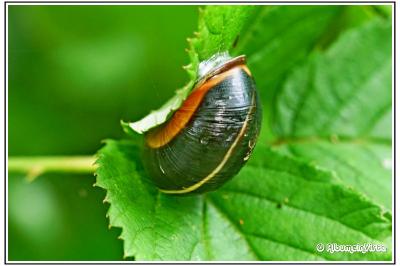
x: 276, y: 208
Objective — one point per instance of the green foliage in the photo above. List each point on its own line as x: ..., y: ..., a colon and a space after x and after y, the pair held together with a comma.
x: 342, y: 119
x: 326, y: 178
x: 294, y: 33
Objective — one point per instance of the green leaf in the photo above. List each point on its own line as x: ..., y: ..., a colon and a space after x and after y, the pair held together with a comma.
x: 336, y: 110
x: 277, y: 208
x: 363, y: 166
x: 279, y: 38
x: 213, y: 36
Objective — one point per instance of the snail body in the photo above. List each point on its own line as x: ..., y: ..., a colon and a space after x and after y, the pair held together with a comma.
x: 211, y: 136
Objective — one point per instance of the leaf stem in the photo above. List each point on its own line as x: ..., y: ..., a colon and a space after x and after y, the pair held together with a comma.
x: 36, y: 166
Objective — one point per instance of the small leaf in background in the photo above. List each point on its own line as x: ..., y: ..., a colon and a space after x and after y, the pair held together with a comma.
x: 336, y: 110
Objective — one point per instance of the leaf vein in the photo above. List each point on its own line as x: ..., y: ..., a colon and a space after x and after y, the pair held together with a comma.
x: 229, y: 219
x: 246, y: 193
x: 236, y: 228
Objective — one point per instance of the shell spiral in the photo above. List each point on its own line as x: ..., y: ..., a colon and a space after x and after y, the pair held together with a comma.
x: 211, y: 136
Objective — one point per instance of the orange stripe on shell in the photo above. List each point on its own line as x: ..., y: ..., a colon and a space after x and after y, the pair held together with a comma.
x: 165, y: 133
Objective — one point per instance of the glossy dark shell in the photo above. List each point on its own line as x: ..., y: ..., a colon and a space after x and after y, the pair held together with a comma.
x: 217, y: 140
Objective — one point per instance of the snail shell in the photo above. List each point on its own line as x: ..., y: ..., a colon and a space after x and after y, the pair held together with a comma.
x: 211, y: 136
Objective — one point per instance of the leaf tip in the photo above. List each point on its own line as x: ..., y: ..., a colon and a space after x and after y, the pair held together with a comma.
x: 131, y: 128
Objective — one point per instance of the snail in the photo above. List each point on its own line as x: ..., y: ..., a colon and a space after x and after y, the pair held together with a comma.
x: 211, y: 136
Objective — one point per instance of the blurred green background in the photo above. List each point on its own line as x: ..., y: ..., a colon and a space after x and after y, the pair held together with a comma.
x: 74, y: 72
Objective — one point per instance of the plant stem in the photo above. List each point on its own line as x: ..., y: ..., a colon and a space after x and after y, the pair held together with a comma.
x: 35, y: 166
